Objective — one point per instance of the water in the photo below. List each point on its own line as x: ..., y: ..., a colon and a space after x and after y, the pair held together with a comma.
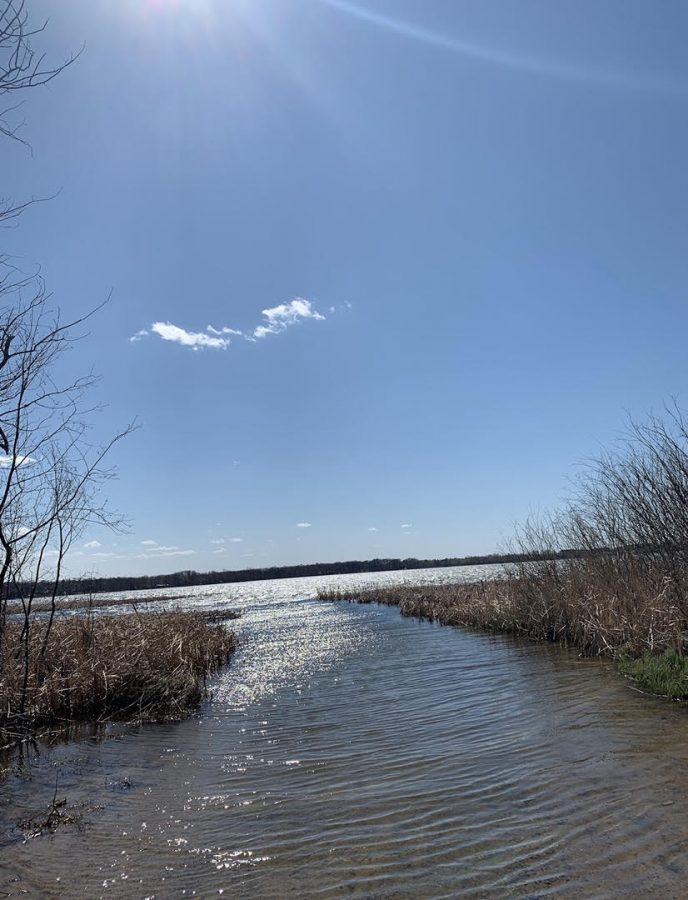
x: 348, y: 752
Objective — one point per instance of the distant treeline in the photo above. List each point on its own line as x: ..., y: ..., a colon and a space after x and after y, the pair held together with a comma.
x: 190, y: 578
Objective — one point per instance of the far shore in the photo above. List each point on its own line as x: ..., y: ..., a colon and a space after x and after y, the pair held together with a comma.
x: 190, y: 578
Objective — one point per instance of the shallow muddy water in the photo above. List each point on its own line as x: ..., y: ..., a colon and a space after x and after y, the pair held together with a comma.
x: 348, y: 752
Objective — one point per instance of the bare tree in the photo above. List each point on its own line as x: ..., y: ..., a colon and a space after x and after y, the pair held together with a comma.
x: 50, y: 469
x: 21, y: 67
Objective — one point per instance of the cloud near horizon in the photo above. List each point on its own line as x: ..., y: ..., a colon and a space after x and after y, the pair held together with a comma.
x: 160, y: 552
x: 275, y: 320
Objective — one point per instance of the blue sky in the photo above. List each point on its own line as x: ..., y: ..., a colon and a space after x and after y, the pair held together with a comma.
x: 466, y: 220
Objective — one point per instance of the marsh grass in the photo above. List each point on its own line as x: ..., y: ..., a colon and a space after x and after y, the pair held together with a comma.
x: 143, y: 667
x: 665, y: 674
x: 598, y: 619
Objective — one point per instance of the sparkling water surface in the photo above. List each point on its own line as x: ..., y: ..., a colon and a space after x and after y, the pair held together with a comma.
x: 349, y: 752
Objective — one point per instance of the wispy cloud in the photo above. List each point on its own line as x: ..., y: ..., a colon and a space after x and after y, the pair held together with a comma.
x: 236, y: 540
x: 304, y: 525
x: 149, y: 543
x: 197, y: 340
x: 224, y: 330
x: 275, y: 319
x: 92, y: 545
x: 218, y: 541
x: 19, y: 460
x: 279, y: 318
x: 407, y: 525
x: 372, y: 528
x: 159, y: 552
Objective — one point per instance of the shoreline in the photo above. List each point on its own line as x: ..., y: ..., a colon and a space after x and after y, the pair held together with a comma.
x: 658, y: 669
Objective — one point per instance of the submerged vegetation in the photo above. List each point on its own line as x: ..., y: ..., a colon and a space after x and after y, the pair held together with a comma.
x: 142, y: 667
x: 85, y: 602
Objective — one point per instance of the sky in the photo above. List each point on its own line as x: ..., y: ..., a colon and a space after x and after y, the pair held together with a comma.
x: 384, y: 273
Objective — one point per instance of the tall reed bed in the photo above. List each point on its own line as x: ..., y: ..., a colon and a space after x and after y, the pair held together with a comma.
x: 595, y: 620
x: 144, y: 667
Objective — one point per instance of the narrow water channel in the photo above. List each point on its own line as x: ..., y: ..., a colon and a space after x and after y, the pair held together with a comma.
x: 348, y: 752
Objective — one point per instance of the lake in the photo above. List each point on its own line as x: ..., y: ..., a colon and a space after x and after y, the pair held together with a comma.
x: 349, y: 752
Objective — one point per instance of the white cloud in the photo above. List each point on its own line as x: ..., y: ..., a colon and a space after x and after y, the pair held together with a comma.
x: 275, y: 319
x: 303, y: 525
x: 221, y: 550
x: 197, y: 340
x: 149, y: 543
x: 19, y: 460
x: 224, y: 330
x: 372, y: 528
x: 407, y: 525
x: 236, y: 540
x: 92, y: 545
x: 281, y: 317
x: 218, y: 541
x: 159, y: 552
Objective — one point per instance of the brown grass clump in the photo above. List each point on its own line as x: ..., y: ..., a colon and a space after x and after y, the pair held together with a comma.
x: 146, y: 667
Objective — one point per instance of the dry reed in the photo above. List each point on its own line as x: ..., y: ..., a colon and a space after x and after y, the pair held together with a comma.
x: 143, y: 667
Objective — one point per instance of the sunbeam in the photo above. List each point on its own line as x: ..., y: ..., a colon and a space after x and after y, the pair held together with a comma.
x: 591, y: 75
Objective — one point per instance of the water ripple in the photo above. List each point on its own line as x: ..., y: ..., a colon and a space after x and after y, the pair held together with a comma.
x: 348, y: 752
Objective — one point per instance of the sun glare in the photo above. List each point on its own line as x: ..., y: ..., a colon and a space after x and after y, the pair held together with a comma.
x: 186, y: 7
